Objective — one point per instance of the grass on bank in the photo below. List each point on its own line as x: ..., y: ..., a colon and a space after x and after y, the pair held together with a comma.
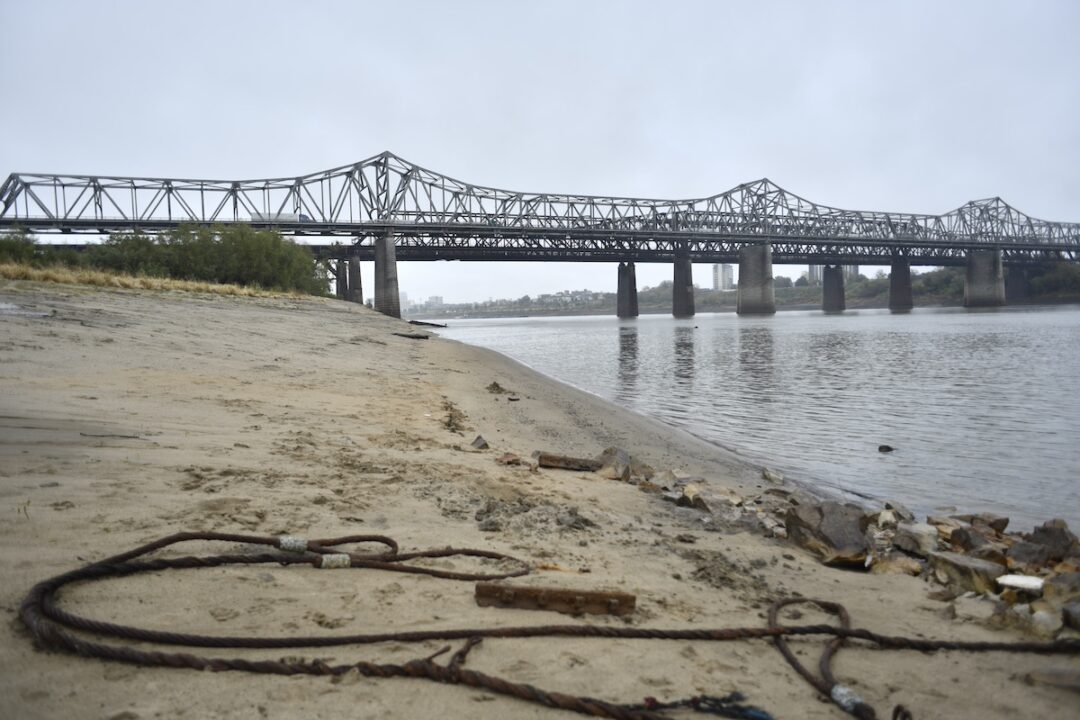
x: 99, y: 278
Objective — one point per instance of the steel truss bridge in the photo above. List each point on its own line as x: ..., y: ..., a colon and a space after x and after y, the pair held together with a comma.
x: 435, y: 217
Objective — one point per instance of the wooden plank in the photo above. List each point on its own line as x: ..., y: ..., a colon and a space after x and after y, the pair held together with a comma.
x: 565, y: 462
x: 570, y: 601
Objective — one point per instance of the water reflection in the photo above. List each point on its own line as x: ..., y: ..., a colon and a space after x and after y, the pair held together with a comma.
x: 756, y: 356
x: 626, y: 387
x: 684, y: 356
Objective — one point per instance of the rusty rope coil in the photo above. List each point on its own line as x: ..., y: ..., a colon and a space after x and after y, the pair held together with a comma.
x: 51, y: 627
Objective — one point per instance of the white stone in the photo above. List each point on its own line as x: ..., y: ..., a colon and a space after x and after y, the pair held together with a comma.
x: 1021, y: 582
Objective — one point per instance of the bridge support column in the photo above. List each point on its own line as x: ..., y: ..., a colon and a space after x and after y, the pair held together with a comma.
x: 984, y: 284
x: 387, y: 300
x: 755, y: 295
x: 356, y: 290
x: 900, y: 298
x: 682, y: 291
x: 341, y: 281
x: 832, y: 295
x: 1016, y: 285
x: 626, y: 300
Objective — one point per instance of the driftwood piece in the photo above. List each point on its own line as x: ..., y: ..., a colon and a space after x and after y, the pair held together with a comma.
x: 565, y: 462
x: 412, y: 335
x: 573, y: 602
x: 426, y: 324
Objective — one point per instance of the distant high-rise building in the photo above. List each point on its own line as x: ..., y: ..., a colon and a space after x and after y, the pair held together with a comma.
x: 851, y: 273
x: 435, y: 301
x: 727, y: 277
x: 715, y: 277
x: 813, y: 275
x: 404, y: 300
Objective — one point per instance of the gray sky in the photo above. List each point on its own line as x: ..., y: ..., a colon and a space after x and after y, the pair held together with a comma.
x: 906, y: 106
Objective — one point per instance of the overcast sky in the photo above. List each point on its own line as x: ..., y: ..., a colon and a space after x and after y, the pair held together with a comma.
x: 906, y: 106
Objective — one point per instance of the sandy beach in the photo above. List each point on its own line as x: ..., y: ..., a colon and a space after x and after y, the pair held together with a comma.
x: 129, y: 415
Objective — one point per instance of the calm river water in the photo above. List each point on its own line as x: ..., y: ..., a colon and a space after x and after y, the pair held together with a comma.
x: 983, y: 408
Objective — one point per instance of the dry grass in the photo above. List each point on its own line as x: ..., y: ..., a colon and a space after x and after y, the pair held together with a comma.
x: 81, y: 276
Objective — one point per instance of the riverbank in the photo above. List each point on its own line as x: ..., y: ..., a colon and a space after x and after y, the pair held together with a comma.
x: 129, y: 415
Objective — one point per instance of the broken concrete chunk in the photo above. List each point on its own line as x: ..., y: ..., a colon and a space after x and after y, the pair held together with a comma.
x: 944, y: 525
x: 916, y: 538
x: 1055, y: 536
x: 1070, y: 613
x: 1027, y: 554
x: 614, y: 464
x: 962, y: 573
x: 896, y: 564
x: 480, y: 443
x: 967, y: 539
x: 996, y: 522
x: 1062, y: 589
x: 773, y: 476
x: 508, y: 459
x: 831, y: 530
x: 691, y: 497
x: 901, y: 511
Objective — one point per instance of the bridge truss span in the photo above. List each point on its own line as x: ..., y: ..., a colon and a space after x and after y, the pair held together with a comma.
x: 434, y: 215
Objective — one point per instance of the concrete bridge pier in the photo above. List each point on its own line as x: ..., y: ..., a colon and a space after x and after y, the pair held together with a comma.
x: 1016, y: 285
x: 984, y: 283
x: 626, y: 300
x: 755, y: 294
x: 900, y: 297
x: 682, y: 290
x: 341, y: 280
x: 387, y: 300
x: 356, y: 290
x: 832, y: 281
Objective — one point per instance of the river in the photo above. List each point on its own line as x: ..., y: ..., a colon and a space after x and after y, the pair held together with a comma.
x: 982, y: 407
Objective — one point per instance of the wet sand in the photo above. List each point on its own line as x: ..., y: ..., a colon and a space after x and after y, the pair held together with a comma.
x: 129, y: 415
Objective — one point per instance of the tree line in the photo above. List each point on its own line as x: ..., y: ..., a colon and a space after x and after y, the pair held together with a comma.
x: 234, y: 254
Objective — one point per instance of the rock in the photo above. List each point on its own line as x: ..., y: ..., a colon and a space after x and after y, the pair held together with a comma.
x: 1046, y: 624
x: 1069, y: 565
x: 916, y: 538
x: 886, y: 519
x: 944, y: 525
x: 1055, y: 536
x: 1027, y: 554
x: 773, y: 476
x: 508, y: 459
x: 691, y: 497
x: 831, y: 530
x: 1062, y: 589
x: 490, y: 524
x: 885, y: 448
x: 666, y: 479
x: 572, y: 520
x: 967, y: 538
x: 1070, y: 614
x: 961, y: 572
x: 615, y: 464
x: 480, y: 443
x: 902, y: 513
x: 993, y: 552
x: 896, y: 564
x: 997, y: 522
x: 977, y: 609
x: 649, y: 487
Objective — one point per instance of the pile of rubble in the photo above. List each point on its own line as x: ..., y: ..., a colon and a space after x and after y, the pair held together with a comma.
x: 1031, y: 579
x: 1034, y: 578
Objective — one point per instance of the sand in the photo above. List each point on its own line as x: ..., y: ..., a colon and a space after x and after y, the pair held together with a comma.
x: 129, y: 415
